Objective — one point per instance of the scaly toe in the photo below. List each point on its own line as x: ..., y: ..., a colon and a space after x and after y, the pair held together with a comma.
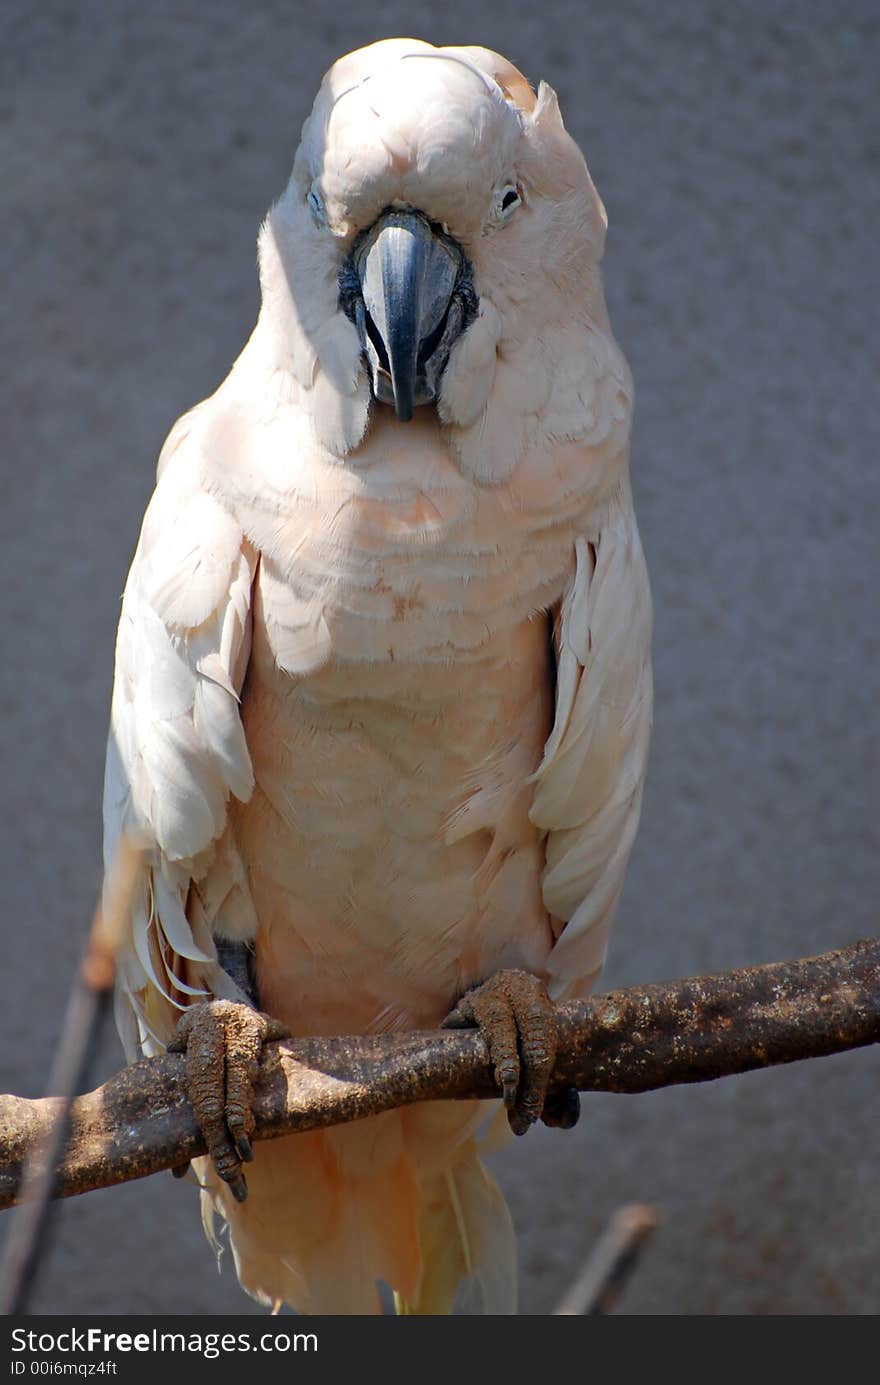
x: 518, y: 1021
x: 223, y: 1042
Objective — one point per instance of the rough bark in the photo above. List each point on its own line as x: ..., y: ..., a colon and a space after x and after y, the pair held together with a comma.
x: 632, y: 1040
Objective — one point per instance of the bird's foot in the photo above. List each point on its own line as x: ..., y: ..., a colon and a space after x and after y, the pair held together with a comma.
x: 517, y: 1019
x: 223, y: 1042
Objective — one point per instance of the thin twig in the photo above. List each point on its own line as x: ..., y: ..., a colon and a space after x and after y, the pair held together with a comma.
x: 633, y: 1040
x: 89, y: 1001
x: 611, y: 1262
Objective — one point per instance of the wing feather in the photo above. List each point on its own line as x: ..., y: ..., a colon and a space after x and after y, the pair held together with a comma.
x: 588, y: 787
x: 177, y: 748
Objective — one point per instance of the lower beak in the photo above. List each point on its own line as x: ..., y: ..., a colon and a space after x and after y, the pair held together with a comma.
x: 413, y: 296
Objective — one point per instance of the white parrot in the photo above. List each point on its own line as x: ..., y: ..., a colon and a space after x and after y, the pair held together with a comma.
x: 382, y: 699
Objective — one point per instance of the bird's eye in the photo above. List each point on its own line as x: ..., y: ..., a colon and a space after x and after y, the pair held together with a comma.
x: 507, y: 198
x: 316, y: 206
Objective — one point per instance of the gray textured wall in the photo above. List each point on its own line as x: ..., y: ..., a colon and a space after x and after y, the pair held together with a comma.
x: 737, y: 154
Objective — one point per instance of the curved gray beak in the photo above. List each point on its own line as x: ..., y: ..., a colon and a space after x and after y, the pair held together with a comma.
x: 409, y: 290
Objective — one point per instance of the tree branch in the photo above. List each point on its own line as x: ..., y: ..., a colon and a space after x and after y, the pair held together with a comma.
x: 632, y: 1040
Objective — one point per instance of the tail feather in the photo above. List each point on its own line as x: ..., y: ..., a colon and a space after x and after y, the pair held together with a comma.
x: 331, y: 1213
x: 466, y: 1234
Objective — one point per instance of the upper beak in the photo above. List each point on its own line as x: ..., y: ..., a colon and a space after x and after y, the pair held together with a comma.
x: 412, y: 298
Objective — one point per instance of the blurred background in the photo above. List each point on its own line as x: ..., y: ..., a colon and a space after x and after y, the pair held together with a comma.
x: 736, y: 148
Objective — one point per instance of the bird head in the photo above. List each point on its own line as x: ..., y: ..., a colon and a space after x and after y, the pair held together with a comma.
x: 437, y: 221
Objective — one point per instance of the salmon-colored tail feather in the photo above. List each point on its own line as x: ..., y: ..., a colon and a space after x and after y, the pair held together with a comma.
x: 333, y: 1213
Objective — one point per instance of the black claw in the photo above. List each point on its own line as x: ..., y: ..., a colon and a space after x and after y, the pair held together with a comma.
x: 244, y: 1146
x: 456, y: 1020
x: 519, y: 1122
x: 562, y: 1109
x: 238, y: 1188
x: 180, y: 1170
x: 508, y: 1082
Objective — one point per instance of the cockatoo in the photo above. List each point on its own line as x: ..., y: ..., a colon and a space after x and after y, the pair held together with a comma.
x: 382, y: 698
